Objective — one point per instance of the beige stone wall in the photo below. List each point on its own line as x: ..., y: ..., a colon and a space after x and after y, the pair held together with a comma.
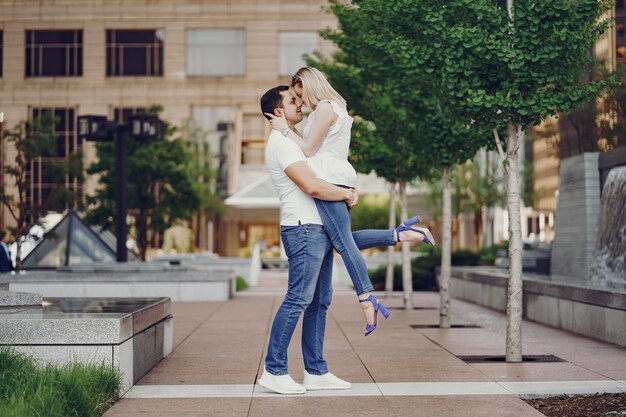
x: 94, y: 93
x: 546, y: 167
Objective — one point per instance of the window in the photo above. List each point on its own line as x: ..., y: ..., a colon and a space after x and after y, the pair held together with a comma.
x: 620, y: 38
x: 41, y: 176
x: 54, y: 53
x: 1, y: 49
x: 253, y: 140
x: 123, y: 114
x: 292, y: 46
x: 134, y: 53
x: 218, y: 126
x: 215, y: 52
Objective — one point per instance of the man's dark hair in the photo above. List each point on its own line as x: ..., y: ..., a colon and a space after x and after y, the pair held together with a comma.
x: 272, y: 100
x: 2, y: 234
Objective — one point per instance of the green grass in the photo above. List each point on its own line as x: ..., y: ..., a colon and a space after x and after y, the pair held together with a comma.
x: 74, y: 390
x: 241, y: 284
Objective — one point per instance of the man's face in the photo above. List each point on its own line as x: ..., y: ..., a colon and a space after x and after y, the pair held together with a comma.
x: 297, y: 90
x: 292, y: 111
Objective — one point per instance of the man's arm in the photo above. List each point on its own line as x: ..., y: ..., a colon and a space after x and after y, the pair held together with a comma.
x: 305, y: 179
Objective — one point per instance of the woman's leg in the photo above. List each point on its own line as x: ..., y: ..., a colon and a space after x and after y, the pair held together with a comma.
x: 336, y: 219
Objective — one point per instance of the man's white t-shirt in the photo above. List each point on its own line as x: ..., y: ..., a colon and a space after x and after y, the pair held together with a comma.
x: 295, y: 205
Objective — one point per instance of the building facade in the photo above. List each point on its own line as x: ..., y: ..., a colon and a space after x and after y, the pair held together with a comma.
x: 609, y: 50
x: 208, y: 61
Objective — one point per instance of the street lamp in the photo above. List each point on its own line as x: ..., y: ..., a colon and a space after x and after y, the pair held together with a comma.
x: 142, y: 127
x: 146, y: 127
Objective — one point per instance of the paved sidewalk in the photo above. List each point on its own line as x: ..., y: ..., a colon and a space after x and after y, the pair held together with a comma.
x: 397, y: 371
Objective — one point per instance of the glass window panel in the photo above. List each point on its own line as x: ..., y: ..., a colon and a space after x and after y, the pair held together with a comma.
x: 55, y: 61
x: 292, y: 46
x: 44, y: 179
x: 620, y: 24
x: 212, y: 121
x: 215, y: 52
x: 123, y: 114
x: 253, y: 127
x: 135, y: 60
x: 134, y: 52
x: 53, y: 53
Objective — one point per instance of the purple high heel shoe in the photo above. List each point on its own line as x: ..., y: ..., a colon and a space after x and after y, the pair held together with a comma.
x: 377, y: 307
x: 407, y: 225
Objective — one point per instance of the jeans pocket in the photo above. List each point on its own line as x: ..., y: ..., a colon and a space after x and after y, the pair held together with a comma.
x: 293, y: 239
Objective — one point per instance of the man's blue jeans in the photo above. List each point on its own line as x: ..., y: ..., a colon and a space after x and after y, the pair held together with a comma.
x: 309, y: 290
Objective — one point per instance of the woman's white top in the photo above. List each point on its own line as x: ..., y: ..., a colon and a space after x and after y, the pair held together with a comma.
x: 330, y: 162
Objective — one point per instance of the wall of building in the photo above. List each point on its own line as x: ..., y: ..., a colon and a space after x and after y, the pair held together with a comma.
x: 178, y: 93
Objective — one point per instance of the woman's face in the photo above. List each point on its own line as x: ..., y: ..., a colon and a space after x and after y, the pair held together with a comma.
x: 297, y: 89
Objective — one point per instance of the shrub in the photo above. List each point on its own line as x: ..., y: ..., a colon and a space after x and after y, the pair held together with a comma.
x: 72, y: 390
x: 423, y: 269
x: 487, y: 255
x: 241, y: 284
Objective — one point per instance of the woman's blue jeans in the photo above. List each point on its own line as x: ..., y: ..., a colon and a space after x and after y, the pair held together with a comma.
x: 336, y: 219
x: 309, y: 290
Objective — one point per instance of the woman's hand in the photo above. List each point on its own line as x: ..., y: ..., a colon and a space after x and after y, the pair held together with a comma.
x: 278, y: 122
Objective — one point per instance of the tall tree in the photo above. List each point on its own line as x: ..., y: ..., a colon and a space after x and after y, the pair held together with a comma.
x: 404, y: 95
x: 503, y: 65
x: 161, y: 187
x: 386, y: 136
x: 33, y: 140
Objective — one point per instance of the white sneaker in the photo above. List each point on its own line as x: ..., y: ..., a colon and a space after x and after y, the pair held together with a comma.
x: 321, y: 382
x: 281, y: 384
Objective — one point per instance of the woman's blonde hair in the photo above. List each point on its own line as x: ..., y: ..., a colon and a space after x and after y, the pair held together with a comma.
x: 315, y: 87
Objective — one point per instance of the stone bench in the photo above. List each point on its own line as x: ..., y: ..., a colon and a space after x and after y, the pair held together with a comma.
x: 132, y: 335
x: 179, y: 284
x: 592, y: 312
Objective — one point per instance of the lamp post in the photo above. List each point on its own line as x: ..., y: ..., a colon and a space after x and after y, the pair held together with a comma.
x: 2, y: 165
x: 142, y: 127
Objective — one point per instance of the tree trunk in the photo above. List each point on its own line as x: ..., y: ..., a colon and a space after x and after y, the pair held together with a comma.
x: 514, y: 302
x: 407, y: 279
x: 391, y: 249
x: 142, y: 235
x: 18, y: 245
x: 446, y: 252
x: 478, y: 227
x: 458, y: 214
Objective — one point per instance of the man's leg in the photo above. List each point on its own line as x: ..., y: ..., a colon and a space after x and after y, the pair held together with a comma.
x: 314, y: 321
x: 305, y: 246
x: 316, y: 375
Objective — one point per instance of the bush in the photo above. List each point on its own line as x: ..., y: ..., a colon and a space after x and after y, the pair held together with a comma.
x: 371, y: 213
x: 487, y: 255
x: 73, y: 390
x: 241, y: 284
x: 423, y: 269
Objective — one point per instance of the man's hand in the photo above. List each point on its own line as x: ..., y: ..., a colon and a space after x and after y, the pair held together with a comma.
x: 352, y: 202
x: 300, y: 173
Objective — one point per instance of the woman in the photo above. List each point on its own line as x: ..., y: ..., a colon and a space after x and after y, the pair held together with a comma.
x: 326, y: 141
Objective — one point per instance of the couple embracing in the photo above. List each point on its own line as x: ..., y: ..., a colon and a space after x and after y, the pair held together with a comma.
x: 316, y: 187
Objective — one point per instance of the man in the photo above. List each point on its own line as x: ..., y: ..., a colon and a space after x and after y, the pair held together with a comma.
x: 6, y: 265
x: 309, y: 252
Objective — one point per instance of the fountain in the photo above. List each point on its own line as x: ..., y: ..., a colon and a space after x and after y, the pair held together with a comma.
x: 608, y: 266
